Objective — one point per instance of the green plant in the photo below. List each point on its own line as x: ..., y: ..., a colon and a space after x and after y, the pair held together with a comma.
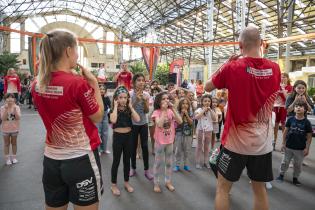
x: 8, y: 60
x: 311, y: 92
x: 161, y: 73
x: 138, y: 67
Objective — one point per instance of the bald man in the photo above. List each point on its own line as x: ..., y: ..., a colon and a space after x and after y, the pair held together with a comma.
x: 252, y: 83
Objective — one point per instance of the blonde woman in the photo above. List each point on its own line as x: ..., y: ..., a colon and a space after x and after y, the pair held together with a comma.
x: 69, y: 105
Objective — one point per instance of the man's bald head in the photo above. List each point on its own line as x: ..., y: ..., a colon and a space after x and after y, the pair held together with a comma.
x: 250, y: 38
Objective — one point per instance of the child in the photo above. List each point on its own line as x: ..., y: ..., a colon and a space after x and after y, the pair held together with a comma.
x: 205, y: 117
x: 120, y: 116
x: 217, y: 110
x: 279, y: 105
x: 296, y: 142
x: 103, y: 126
x: 164, y: 117
x: 299, y: 92
x: 10, y: 116
x: 154, y: 91
x: 183, y: 135
x: 140, y: 101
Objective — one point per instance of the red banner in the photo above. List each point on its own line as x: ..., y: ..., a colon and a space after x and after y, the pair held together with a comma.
x: 178, y: 63
x: 151, y: 58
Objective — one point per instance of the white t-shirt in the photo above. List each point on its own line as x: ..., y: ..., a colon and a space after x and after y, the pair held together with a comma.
x: 101, y: 74
x: 191, y: 87
x: 205, y: 123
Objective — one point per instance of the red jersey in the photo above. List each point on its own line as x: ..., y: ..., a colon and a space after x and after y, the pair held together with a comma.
x: 124, y: 79
x: 12, y: 84
x: 252, y: 84
x: 64, y: 108
x: 280, y: 100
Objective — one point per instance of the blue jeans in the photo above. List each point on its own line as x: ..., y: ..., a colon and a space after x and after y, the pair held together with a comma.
x: 103, y: 132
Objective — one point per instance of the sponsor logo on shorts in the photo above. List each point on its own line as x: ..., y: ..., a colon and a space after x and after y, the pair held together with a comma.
x: 85, y: 183
x: 224, y: 162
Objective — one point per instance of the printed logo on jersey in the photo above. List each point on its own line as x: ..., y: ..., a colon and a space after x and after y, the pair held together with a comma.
x: 259, y: 72
x: 51, y: 90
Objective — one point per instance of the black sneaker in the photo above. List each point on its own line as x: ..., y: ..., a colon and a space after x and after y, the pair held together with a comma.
x: 280, y: 178
x: 296, y: 182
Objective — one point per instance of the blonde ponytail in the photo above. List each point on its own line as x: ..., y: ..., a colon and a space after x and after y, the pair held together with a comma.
x: 51, y: 49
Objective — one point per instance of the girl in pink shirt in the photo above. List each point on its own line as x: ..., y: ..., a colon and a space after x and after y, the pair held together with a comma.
x: 10, y: 116
x: 164, y: 117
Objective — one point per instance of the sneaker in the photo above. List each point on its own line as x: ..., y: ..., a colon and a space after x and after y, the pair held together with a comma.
x: 198, y: 166
x: 280, y: 178
x: 8, y: 162
x: 14, y: 161
x: 176, y: 168
x: 107, y: 152
x: 132, y: 172
x: 207, y: 165
x: 296, y: 182
x: 148, y: 175
x: 186, y: 168
x: 268, y: 185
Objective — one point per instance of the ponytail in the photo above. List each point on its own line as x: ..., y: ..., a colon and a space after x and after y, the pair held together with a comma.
x: 51, y: 50
x: 45, y: 63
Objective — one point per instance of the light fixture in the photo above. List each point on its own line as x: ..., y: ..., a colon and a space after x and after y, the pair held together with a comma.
x: 301, y: 44
x: 263, y: 13
x: 300, y: 30
x: 261, y: 4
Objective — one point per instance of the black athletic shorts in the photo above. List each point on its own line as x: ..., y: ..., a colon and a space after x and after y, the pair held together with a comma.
x: 78, y: 180
x: 231, y: 165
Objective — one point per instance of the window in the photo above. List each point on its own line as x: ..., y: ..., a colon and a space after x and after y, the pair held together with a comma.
x: 15, y: 38
x: 110, y: 48
x: 126, y: 50
x: 196, y: 73
x: 311, y: 81
x: 298, y: 64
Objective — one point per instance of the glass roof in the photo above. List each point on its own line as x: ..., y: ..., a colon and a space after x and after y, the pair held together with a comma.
x: 177, y: 21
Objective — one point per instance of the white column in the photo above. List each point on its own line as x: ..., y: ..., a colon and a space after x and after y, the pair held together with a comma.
x: 240, y: 15
x: 210, y: 5
x: 289, y: 31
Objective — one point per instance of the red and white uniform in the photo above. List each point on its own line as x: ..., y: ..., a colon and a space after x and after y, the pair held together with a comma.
x: 12, y: 84
x: 253, y: 84
x: 124, y: 79
x: 280, y: 100
x: 64, y: 108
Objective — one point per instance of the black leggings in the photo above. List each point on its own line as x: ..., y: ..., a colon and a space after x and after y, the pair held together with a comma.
x: 121, y: 144
x: 143, y: 131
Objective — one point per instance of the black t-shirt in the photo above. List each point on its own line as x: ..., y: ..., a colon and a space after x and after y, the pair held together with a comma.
x: 297, y: 130
x: 123, y: 119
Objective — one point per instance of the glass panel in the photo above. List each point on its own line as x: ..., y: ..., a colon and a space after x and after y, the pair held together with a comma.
x: 15, y: 38
x: 110, y: 48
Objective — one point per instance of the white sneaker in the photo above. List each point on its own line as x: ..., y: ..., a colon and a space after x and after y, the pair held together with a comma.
x: 268, y: 185
x: 8, y: 162
x: 14, y: 161
x: 107, y: 152
x: 198, y: 166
